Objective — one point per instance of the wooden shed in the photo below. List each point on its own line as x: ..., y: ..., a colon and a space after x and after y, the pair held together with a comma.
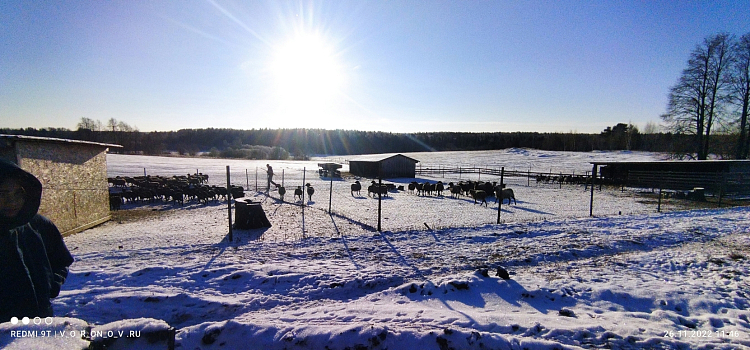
x: 383, y: 165
x: 719, y: 176
x: 75, y: 193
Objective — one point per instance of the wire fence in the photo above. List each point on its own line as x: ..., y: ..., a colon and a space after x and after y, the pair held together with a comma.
x: 538, y: 193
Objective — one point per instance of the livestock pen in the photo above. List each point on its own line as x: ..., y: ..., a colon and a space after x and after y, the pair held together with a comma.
x: 333, y: 197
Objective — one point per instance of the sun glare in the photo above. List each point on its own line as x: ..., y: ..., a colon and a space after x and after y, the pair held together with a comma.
x: 307, y: 77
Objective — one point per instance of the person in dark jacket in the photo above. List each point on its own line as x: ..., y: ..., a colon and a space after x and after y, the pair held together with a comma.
x: 34, y: 260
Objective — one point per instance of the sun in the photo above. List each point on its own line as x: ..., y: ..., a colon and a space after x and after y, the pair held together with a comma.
x: 307, y: 77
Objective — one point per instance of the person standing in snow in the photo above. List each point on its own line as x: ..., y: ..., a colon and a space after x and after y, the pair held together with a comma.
x: 34, y: 260
x: 270, y: 176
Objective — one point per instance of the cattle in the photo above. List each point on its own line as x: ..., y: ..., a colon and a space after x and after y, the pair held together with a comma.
x: 298, y: 193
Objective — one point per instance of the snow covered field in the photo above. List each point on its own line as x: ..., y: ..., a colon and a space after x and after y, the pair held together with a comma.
x: 627, y: 278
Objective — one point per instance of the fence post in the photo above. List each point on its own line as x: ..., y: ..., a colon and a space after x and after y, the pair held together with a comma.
x: 658, y: 206
x: 722, y: 186
x: 247, y: 180
x: 591, y: 202
x: 229, y: 203
x: 330, y: 196
x: 500, y: 202
x: 304, y: 172
x: 528, y: 178
x: 380, y: 186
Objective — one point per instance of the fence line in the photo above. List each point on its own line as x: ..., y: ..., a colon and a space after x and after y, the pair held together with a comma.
x: 492, y: 171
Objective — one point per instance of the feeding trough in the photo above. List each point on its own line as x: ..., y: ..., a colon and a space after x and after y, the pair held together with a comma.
x: 249, y: 215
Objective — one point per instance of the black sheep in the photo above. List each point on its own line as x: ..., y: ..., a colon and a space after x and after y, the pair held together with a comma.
x: 310, y: 191
x: 479, y: 195
x: 356, y: 187
x: 282, y: 192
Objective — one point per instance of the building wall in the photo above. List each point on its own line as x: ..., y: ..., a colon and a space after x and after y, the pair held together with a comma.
x: 365, y: 169
x: 396, y: 166
x: 74, y: 182
x: 399, y: 166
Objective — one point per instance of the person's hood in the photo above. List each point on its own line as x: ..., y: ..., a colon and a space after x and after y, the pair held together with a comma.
x: 32, y: 188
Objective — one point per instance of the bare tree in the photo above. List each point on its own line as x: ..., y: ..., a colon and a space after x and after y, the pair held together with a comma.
x: 89, y: 124
x: 112, y: 124
x: 695, y: 101
x: 740, y: 85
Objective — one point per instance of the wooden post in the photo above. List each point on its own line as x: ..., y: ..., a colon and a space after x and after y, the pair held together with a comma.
x: 282, y: 177
x: 502, y: 176
x: 247, y: 180
x: 380, y: 200
x: 528, y: 178
x: 591, y: 202
x: 256, y: 179
x: 722, y: 186
x: 500, y: 200
x: 304, y: 172
x: 330, y: 196
x: 658, y: 206
x: 229, y: 204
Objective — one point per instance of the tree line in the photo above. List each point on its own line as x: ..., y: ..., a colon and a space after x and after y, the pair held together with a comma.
x: 302, y: 143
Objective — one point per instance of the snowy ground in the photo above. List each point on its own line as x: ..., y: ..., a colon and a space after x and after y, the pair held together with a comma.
x: 642, y: 279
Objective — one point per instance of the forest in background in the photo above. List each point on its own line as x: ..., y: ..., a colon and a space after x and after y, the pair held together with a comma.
x: 302, y: 143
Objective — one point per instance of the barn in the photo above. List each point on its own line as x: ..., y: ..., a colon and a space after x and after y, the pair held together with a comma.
x: 383, y: 165
x: 75, y: 194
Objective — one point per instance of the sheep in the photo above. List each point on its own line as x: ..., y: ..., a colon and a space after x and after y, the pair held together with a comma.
x: 439, y: 188
x: 466, y: 187
x: 282, y: 191
x: 310, y: 191
x: 479, y: 195
x: 455, y: 190
x: 377, y: 189
x: 356, y: 187
x: 412, y: 186
x: 501, y: 194
x: 298, y: 193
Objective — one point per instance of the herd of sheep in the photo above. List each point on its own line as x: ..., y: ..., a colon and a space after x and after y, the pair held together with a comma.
x: 477, y: 190
x: 176, y: 189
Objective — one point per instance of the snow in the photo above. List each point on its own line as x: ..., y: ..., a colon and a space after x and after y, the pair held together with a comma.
x: 628, y: 277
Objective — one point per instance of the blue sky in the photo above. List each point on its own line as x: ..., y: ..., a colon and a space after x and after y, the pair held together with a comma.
x: 399, y: 66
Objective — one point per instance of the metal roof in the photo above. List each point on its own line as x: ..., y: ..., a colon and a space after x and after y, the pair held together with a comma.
x: 374, y: 158
x: 52, y: 139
